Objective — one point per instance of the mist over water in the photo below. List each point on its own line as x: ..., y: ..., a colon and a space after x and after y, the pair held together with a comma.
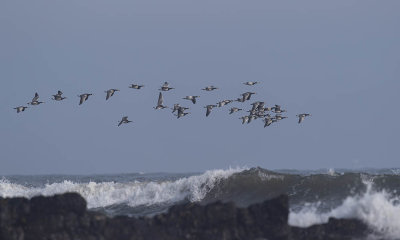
x: 372, y: 196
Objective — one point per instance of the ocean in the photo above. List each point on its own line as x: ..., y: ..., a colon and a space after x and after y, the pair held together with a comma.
x: 371, y: 195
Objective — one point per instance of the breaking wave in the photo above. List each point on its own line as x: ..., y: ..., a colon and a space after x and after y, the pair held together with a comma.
x: 380, y: 210
x: 134, y: 194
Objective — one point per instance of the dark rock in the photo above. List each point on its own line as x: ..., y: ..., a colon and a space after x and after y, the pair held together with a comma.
x: 64, y: 217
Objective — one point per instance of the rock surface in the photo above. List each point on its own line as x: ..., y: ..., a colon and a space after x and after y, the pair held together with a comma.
x: 65, y: 217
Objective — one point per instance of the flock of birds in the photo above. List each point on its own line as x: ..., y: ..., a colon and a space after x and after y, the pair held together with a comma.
x: 258, y: 109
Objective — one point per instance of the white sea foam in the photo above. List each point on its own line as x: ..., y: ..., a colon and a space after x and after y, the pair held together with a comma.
x: 377, y: 209
x: 267, y: 177
x: 134, y: 194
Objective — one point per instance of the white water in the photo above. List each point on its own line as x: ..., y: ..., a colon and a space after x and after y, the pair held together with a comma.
x: 134, y: 194
x: 377, y: 209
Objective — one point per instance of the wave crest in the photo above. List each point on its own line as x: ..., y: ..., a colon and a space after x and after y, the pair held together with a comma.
x: 379, y: 209
x: 193, y: 188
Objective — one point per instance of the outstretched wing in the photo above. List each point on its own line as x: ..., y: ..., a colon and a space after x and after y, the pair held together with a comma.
x: 160, y: 100
x: 109, y: 94
x: 301, y: 118
x: 83, y: 98
x: 34, y: 99
x: 208, y: 111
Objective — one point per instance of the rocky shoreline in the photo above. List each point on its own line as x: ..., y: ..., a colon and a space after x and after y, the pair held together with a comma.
x: 65, y: 217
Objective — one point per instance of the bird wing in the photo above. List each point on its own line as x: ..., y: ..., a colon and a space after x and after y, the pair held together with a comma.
x: 125, y: 118
x: 34, y: 99
x: 160, y: 100
x: 180, y: 111
x: 120, y: 123
x: 248, y: 97
x: 208, y: 111
x: 301, y: 118
x: 83, y: 98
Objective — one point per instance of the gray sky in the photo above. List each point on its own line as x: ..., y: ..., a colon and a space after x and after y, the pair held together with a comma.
x: 339, y: 60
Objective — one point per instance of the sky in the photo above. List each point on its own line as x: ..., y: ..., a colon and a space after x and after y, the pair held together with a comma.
x: 338, y: 60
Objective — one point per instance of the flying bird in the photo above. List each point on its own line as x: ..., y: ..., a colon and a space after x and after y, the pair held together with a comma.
x: 20, y: 109
x: 35, y: 101
x: 136, y: 86
x: 181, y: 112
x: 191, y: 98
x: 247, y: 95
x: 124, y: 120
x: 302, y: 116
x: 278, y: 117
x: 277, y: 109
x: 250, y: 83
x: 224, y: 102
x: 234, y: 109
x: 165, y: 87
x: 209, y: 88
x: 84, y: 97
x: 58, y: 96
x: 110, y: 93
x: 268, y: 120
x: 209, y: 108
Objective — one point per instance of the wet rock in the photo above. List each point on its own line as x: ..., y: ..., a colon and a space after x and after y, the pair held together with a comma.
x: 65, y: 217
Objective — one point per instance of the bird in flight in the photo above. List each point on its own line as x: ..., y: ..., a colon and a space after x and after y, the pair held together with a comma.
x: 136, y: 86
x: 58, y: 96
x: 209, y: 108
x: 35, y: 100
x: 165, y: 87
x: 20, y: 109
x: 250, y: 83
x: 124, y: 120
x: 234, y: 109
x: 192, y: 98
x: 84, y: 97
x: 302, y: 116
x: 110, y: 93
x: 209, y: 88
